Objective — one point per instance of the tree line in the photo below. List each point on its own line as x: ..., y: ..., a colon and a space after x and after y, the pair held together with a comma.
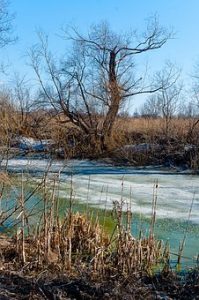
x: 90, y: 85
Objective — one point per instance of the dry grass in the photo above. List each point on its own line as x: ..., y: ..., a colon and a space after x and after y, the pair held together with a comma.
x: 151, y: 128
x: 5, y: 179
x: 73, y: 256
x: 41, y: 124
x: 78, y: 244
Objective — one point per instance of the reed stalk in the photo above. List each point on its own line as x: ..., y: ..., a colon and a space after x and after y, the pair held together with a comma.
x: 77, y: 242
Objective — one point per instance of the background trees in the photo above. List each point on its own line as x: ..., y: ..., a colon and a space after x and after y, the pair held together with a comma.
x: 165, y: 103
x: 6, y: 104
x: 91, y: 84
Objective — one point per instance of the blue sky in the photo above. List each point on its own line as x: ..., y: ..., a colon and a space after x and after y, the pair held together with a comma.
x: 51, y: 15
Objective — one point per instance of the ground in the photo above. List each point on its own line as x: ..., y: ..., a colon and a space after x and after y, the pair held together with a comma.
x: 48, y: 286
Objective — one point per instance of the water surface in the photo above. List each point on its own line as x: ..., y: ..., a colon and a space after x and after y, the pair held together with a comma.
x: 100, y: 185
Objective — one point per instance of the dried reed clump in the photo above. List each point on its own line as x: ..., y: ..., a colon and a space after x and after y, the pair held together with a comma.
x: 77, y: 243
x: 4, y: 179
x: 133, y: 255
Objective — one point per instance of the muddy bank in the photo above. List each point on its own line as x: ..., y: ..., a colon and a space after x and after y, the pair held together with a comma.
x: 176, y: 155
x: 168, y: 153
x: 48, y: 286
x: 50, y: 281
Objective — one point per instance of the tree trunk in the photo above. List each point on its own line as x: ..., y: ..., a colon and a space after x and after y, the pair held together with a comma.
x: 115, y: 99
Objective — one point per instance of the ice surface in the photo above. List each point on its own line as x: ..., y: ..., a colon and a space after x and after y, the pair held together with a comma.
x: 107, y: 183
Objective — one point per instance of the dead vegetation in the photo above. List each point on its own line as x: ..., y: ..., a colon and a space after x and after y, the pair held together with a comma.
x: 78, y: 244
x: 178, y: 146
x: 73, y: 250
x: 72, y: 256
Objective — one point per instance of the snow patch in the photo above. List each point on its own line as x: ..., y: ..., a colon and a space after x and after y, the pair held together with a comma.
x: 30, y: 144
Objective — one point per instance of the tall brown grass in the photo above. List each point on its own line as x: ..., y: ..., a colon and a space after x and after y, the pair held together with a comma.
x: 77, y: 243
x: 139, y: 129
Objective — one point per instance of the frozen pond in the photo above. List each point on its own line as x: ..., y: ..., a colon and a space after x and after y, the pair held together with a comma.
x: 100, y: 184
x: 107, y: 183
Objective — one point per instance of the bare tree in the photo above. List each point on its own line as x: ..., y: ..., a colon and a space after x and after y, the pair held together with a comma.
x: 151, y: 107
x: 91, y: 84
x: 7, y: 116
x: 193, y: 108
x: 169, y: 95
x: 166, y: 102
x: 6, y: 27
x: 22, y: 96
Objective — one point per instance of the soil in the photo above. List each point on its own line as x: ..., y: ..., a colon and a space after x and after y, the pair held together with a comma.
x: 48, y: 286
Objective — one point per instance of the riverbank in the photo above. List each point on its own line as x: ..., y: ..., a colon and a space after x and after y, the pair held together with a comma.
x: 99, y: 185
x: 78, y: 260
x: 50, y: 282
x: 170, y: 154
x: 47, y: 273
x: 59, y: 286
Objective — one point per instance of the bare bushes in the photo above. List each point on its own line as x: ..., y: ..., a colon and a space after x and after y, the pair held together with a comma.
x: 8, y: 120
